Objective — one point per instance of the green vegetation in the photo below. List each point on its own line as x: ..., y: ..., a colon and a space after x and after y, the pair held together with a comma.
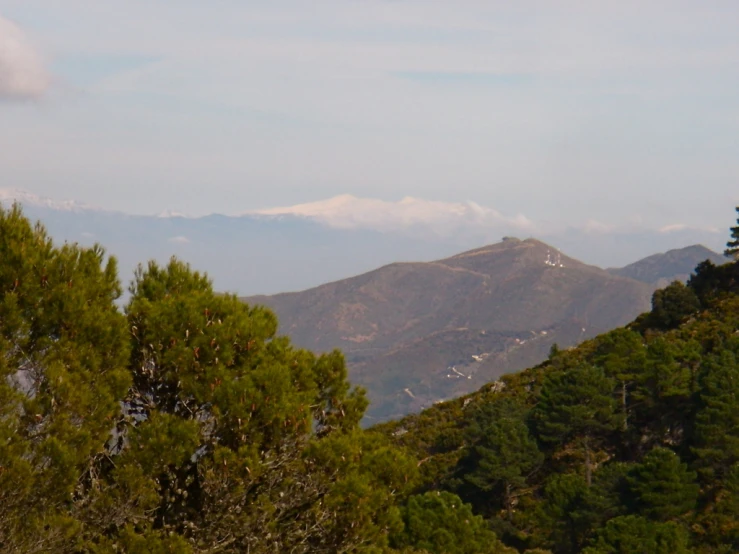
x: 184, y: 424
x: 636, y: 435
x: 181, y: 425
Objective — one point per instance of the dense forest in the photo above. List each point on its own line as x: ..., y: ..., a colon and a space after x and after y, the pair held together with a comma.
x: 183, y: 423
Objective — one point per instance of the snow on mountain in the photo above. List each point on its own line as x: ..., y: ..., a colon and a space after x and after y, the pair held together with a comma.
x: 28, y: 199
x: 350, y: 212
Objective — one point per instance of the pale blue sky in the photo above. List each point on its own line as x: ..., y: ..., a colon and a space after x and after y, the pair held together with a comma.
x: 626, y: 113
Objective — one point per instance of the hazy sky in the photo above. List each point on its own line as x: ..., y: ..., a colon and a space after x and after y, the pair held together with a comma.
x: 565, y: 111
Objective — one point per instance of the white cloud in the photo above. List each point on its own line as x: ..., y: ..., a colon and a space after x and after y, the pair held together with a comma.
x: 349, y: 212
x: 22, y: 73
x: 676, y: 227
x: 180, y: 240
x: 673, y: 228
x: 595, y: 226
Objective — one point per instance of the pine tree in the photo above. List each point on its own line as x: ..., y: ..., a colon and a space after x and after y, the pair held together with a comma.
x: 637, y: 535
x: 560, y: 517
x: 504, y: 457
x: 236, y: 440
x: 716, y: 435
x: 732, y: 246
x: 664, y: 391
x: 440, y: 523
x: 672, y: 305
x: 662, y: 487
x: 577, y: 406
x: 622, y: 354
x: 63, y: 353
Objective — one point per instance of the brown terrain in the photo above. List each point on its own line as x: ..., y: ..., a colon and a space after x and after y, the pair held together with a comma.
x: 417, y: 333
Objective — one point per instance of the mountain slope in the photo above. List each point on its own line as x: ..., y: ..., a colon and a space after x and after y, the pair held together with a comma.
x: 416, y: 333
x: 673, y: 265
x: 632, y: 435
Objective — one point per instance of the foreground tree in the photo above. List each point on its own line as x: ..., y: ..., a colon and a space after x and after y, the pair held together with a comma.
x: 236, y: 440
x: 63, y: 355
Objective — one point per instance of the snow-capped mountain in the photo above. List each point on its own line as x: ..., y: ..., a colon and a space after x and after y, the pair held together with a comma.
x: 8, y: 196
x: 350, y: 212
x: 296, y: 247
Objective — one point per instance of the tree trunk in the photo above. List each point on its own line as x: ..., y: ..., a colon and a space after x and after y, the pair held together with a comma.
x: 624, y: 392
x: 508, y: 500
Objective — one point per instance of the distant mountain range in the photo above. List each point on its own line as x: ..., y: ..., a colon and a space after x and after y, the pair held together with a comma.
x: 417, y: 333
x: 297, y: 247
x: 414, y: 333
x: 675, y: 265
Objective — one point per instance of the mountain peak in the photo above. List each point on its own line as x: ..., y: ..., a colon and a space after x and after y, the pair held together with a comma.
x: 429, y: 326
x: 674, y: 265
x: 510, y: 255
x: 10, y: 195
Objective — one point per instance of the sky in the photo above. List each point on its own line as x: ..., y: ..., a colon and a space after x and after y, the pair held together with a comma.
x: 596, y: 114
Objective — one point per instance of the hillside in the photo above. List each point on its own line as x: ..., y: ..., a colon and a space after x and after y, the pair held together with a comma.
x: 417, y: 333
x: 628, y: 443
x: 674, y: 265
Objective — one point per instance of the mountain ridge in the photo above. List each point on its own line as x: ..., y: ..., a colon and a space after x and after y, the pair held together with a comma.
x: 239, y: 253
x: 674, y: 265
x: 509, y: 301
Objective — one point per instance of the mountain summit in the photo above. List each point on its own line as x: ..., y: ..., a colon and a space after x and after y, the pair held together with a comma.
x: 660, y: 270
x: 8, y: 196
x: 416, y: 333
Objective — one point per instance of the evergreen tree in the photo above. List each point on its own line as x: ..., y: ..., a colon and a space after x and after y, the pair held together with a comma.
x: 622, y: 355
x: 637, y: 535
x: 604, y: 499
x: 665, y: 387
x: 732, y: 246
x: 63, y: 352
x: 661, y: 486
x: 724, y: 528
x: 716, y: 441
x: 440, y: 523
x: 236, y: 440
x: 504, y: 456
x: 672, y: 305
x: 562, y: 521
x: 577, y: 406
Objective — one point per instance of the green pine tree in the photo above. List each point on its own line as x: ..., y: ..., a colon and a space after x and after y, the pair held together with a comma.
x: 504, y: 457
x: 672, y: 305
x: 622, y: 355
x: 732, y: 246
x: 577, y: 406
x: 637, y: 535
x: 63, y: 352
x: 561, y: 520
x: 440, y: 523
x: 234, y: 439
x: 716, y: 435
x: 661, y: 486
